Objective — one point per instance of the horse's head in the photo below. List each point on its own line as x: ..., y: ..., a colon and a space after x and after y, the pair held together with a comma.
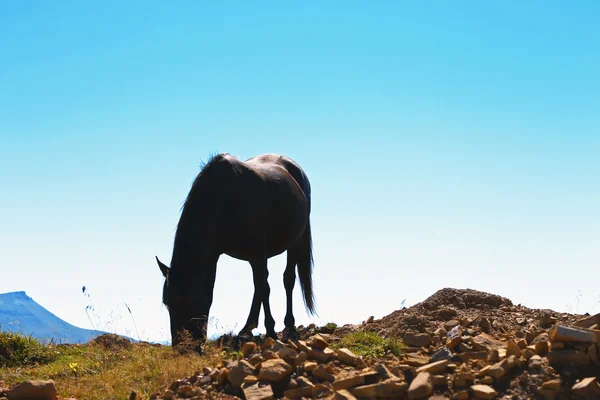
x: 187, y: 304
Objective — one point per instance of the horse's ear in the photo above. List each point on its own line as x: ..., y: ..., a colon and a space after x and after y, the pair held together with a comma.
x: 163, y: 268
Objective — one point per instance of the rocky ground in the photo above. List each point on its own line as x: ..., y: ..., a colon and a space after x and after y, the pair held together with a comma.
x: 460, y: 344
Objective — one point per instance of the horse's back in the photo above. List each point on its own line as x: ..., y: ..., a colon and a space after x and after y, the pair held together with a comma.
x: 291, y: 166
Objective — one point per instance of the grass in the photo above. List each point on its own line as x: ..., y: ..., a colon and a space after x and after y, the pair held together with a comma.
x: 102, y: 370
x: 370, y: 344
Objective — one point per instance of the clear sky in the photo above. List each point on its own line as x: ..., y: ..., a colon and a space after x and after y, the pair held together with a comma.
x: 448, y: 144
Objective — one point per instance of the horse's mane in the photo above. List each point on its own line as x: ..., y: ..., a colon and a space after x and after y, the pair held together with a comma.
x: 205, y: 168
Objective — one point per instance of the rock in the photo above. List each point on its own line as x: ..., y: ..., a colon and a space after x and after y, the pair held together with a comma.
x: 168, y: 394
x: 441, y: 354
x: 309, y: 366
x: 421, y: 386
x: 274, y: 370
x: 512, y: 349
x: 497, y: 370
x: 269, y: 342
x: 257, y: 391
x: 304, y: 389
x: 483, y: 341
x: 453, y: 337
x: 320, y: 391
x: 344, y: 395
x: 553, y: 385
x: 388, y: 388
x: 463, y: 379
x: 483, y: 392
x: 439, y: 381
x: 350, y: 381
x: 239, y: 371
x: 320, y: 373
x: 345, y: 356
x: 223, y: 374
x: 34, y: 389
x: 248, y: 348
x: 546, y: 394
x: 587, y: 388
x: 563, y: 333
x: 318, y: 342
x: 535, y: 362
x: 434, y: 368
x: 568, y: 356
x: 288, y: 355
x: 461, y: 395
x: 588, y: 321
x: 186, y: 391
x: 418, y: 340
x: 416, y: 360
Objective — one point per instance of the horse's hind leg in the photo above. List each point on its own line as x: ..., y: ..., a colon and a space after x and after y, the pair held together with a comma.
x: 289, y: 280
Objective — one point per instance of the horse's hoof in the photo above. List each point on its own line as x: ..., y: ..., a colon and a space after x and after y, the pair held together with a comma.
x: 290, y: 334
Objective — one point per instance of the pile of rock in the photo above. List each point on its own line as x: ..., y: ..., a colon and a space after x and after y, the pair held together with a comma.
x: 452, y: 362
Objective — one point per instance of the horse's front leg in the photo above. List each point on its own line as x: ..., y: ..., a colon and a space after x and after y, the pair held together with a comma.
x: 262, y: 289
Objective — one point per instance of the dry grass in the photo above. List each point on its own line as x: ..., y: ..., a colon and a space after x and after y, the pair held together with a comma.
x: 105, y: 370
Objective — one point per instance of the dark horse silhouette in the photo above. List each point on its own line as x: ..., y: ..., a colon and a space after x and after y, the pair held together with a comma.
x: 250, y: 210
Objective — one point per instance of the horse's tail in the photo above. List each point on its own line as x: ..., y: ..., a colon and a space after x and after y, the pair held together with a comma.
x: 305, y: 265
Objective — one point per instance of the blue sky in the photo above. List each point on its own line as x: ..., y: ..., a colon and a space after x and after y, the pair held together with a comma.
x: 448, y: 144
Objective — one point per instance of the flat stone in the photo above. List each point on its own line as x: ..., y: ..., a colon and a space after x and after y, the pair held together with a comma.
x: 587, y: 388
x: 419, y: 339
x: 354, y: 380
x: 483, y: 392
x: 345, y: 356
x: 344, y: 395
x: 434, y: 368
x: 483, y: 341
x: 416, y: 360
x: 552, y: 385
x: 390, y: 388
x: 274, y: 370
x: 421, y: 386
x: 34, y: 389
x: 588, y: 321
x: 564, y: 333
x: 497, y: 370
x: 257, y: 391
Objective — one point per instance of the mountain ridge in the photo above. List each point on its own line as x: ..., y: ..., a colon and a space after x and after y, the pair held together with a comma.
x: 19, y: 313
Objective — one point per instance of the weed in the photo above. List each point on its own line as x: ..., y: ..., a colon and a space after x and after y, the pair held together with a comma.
x: 370, y: 344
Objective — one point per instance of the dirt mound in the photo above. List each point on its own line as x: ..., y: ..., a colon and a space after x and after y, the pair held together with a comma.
x: 463, y: 299
x: 450, y: 307
x: 112, y: 341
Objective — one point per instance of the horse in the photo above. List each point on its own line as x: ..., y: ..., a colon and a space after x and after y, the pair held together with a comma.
x: 251, y: 210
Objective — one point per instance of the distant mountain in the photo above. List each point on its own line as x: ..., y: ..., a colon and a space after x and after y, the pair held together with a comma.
x: 19, y: 313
